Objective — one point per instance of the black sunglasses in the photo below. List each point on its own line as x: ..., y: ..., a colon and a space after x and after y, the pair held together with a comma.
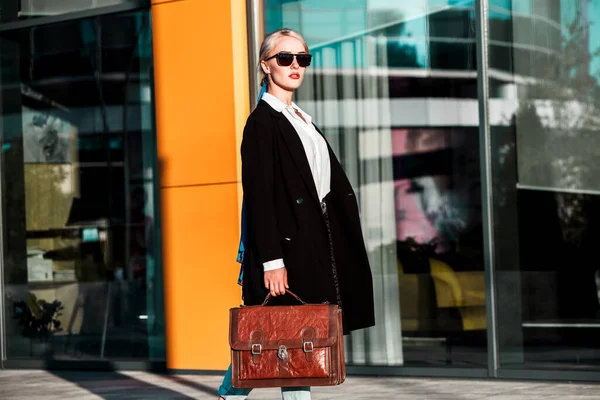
x: 286, y: 59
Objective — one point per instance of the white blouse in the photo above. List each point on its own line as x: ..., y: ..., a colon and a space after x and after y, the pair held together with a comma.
x: 316, y: 150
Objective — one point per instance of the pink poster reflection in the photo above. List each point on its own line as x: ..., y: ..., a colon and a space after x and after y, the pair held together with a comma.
x: 428, y: 207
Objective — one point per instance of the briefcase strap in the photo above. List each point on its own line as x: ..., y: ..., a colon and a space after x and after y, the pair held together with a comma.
x: 288, y: 292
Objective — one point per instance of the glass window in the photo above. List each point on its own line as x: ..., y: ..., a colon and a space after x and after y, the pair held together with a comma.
x: 82, y: 280
x: 13, y: 10
x: 546, y: 190
x: 408, y: 140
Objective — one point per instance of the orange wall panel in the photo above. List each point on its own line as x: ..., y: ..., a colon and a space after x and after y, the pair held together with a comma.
x: 194, y: 92
x: 199, y: 230
x: 240, y: 78
x: 201, y: 94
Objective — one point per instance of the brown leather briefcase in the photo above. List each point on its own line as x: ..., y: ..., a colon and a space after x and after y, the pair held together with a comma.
x: 283, y: 346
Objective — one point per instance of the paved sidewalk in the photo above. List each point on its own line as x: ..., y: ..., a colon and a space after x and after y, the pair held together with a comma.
x: 34, y: 385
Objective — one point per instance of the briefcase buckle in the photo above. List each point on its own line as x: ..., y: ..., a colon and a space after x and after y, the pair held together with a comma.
x: 256, y: 349
x: 307, y: 347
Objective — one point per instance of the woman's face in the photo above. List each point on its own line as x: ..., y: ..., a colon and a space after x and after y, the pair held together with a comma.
x: 288, y: 78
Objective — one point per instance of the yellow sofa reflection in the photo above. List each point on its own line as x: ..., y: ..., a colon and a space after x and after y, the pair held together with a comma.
x: 441, y: 301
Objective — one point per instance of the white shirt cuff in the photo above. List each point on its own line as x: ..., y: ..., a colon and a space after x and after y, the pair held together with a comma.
x: 274, y: 264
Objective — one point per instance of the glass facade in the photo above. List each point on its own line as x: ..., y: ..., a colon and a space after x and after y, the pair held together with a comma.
x: 82, y: 280
x: 394, y: 88
x: 15, y: 10
x: 455, y: 207
x: 545, y: 179
x: 471, y: 150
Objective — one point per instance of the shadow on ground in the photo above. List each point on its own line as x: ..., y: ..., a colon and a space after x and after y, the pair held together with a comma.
x: 194, y: 385
x: 112, y: 385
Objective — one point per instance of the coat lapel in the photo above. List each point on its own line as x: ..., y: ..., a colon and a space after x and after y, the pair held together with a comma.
x: 296, y: 148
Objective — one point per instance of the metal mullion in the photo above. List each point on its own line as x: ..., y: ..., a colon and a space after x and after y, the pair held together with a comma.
x: 2, y: 227
x: 255, y: 32
x: 2, y: 294
x: 421, y: 372
x: 482, y: 35
x: 75, y: 15
x: 565, y: 375
x: 88, y: 365
x: 156, y: 193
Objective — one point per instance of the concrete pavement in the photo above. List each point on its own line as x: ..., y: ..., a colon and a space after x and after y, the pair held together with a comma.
x: 35, y: 384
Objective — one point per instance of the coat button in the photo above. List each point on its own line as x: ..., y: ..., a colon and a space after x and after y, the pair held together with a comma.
x: 299, y: 200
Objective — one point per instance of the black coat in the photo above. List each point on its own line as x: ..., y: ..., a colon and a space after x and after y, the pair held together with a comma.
x: 285, y: 220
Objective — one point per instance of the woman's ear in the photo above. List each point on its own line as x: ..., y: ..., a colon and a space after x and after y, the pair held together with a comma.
x: 264, y: 67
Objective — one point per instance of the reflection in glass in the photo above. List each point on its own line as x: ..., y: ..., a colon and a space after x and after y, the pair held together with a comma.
x: 394, y: 88
x: 13, y: 10
x: 81, y: 276
x: 439, y: 247
x: 545, y: 174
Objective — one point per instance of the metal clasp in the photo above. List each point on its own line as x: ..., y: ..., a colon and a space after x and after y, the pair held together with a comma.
x: 307, y: 347
x: 256, y: 346
x: 282, y: 353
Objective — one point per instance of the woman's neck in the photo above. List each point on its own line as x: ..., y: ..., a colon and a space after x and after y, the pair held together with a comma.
x: 281, y: 94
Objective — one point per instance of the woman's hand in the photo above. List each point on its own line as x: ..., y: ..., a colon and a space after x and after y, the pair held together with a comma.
x: 276, y: 281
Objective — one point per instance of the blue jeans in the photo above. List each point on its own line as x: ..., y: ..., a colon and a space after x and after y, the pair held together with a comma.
x: 230, y: 393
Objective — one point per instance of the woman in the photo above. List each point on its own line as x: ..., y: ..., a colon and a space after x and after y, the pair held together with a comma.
x: 301, y: 220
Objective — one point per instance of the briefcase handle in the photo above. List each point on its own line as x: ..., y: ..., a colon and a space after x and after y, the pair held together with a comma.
x: 288, y: 292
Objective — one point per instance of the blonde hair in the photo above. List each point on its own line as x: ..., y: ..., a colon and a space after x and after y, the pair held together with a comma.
x: 268, y: 45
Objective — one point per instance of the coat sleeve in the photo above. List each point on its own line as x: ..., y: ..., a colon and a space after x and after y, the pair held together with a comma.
x: 258, y: 163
